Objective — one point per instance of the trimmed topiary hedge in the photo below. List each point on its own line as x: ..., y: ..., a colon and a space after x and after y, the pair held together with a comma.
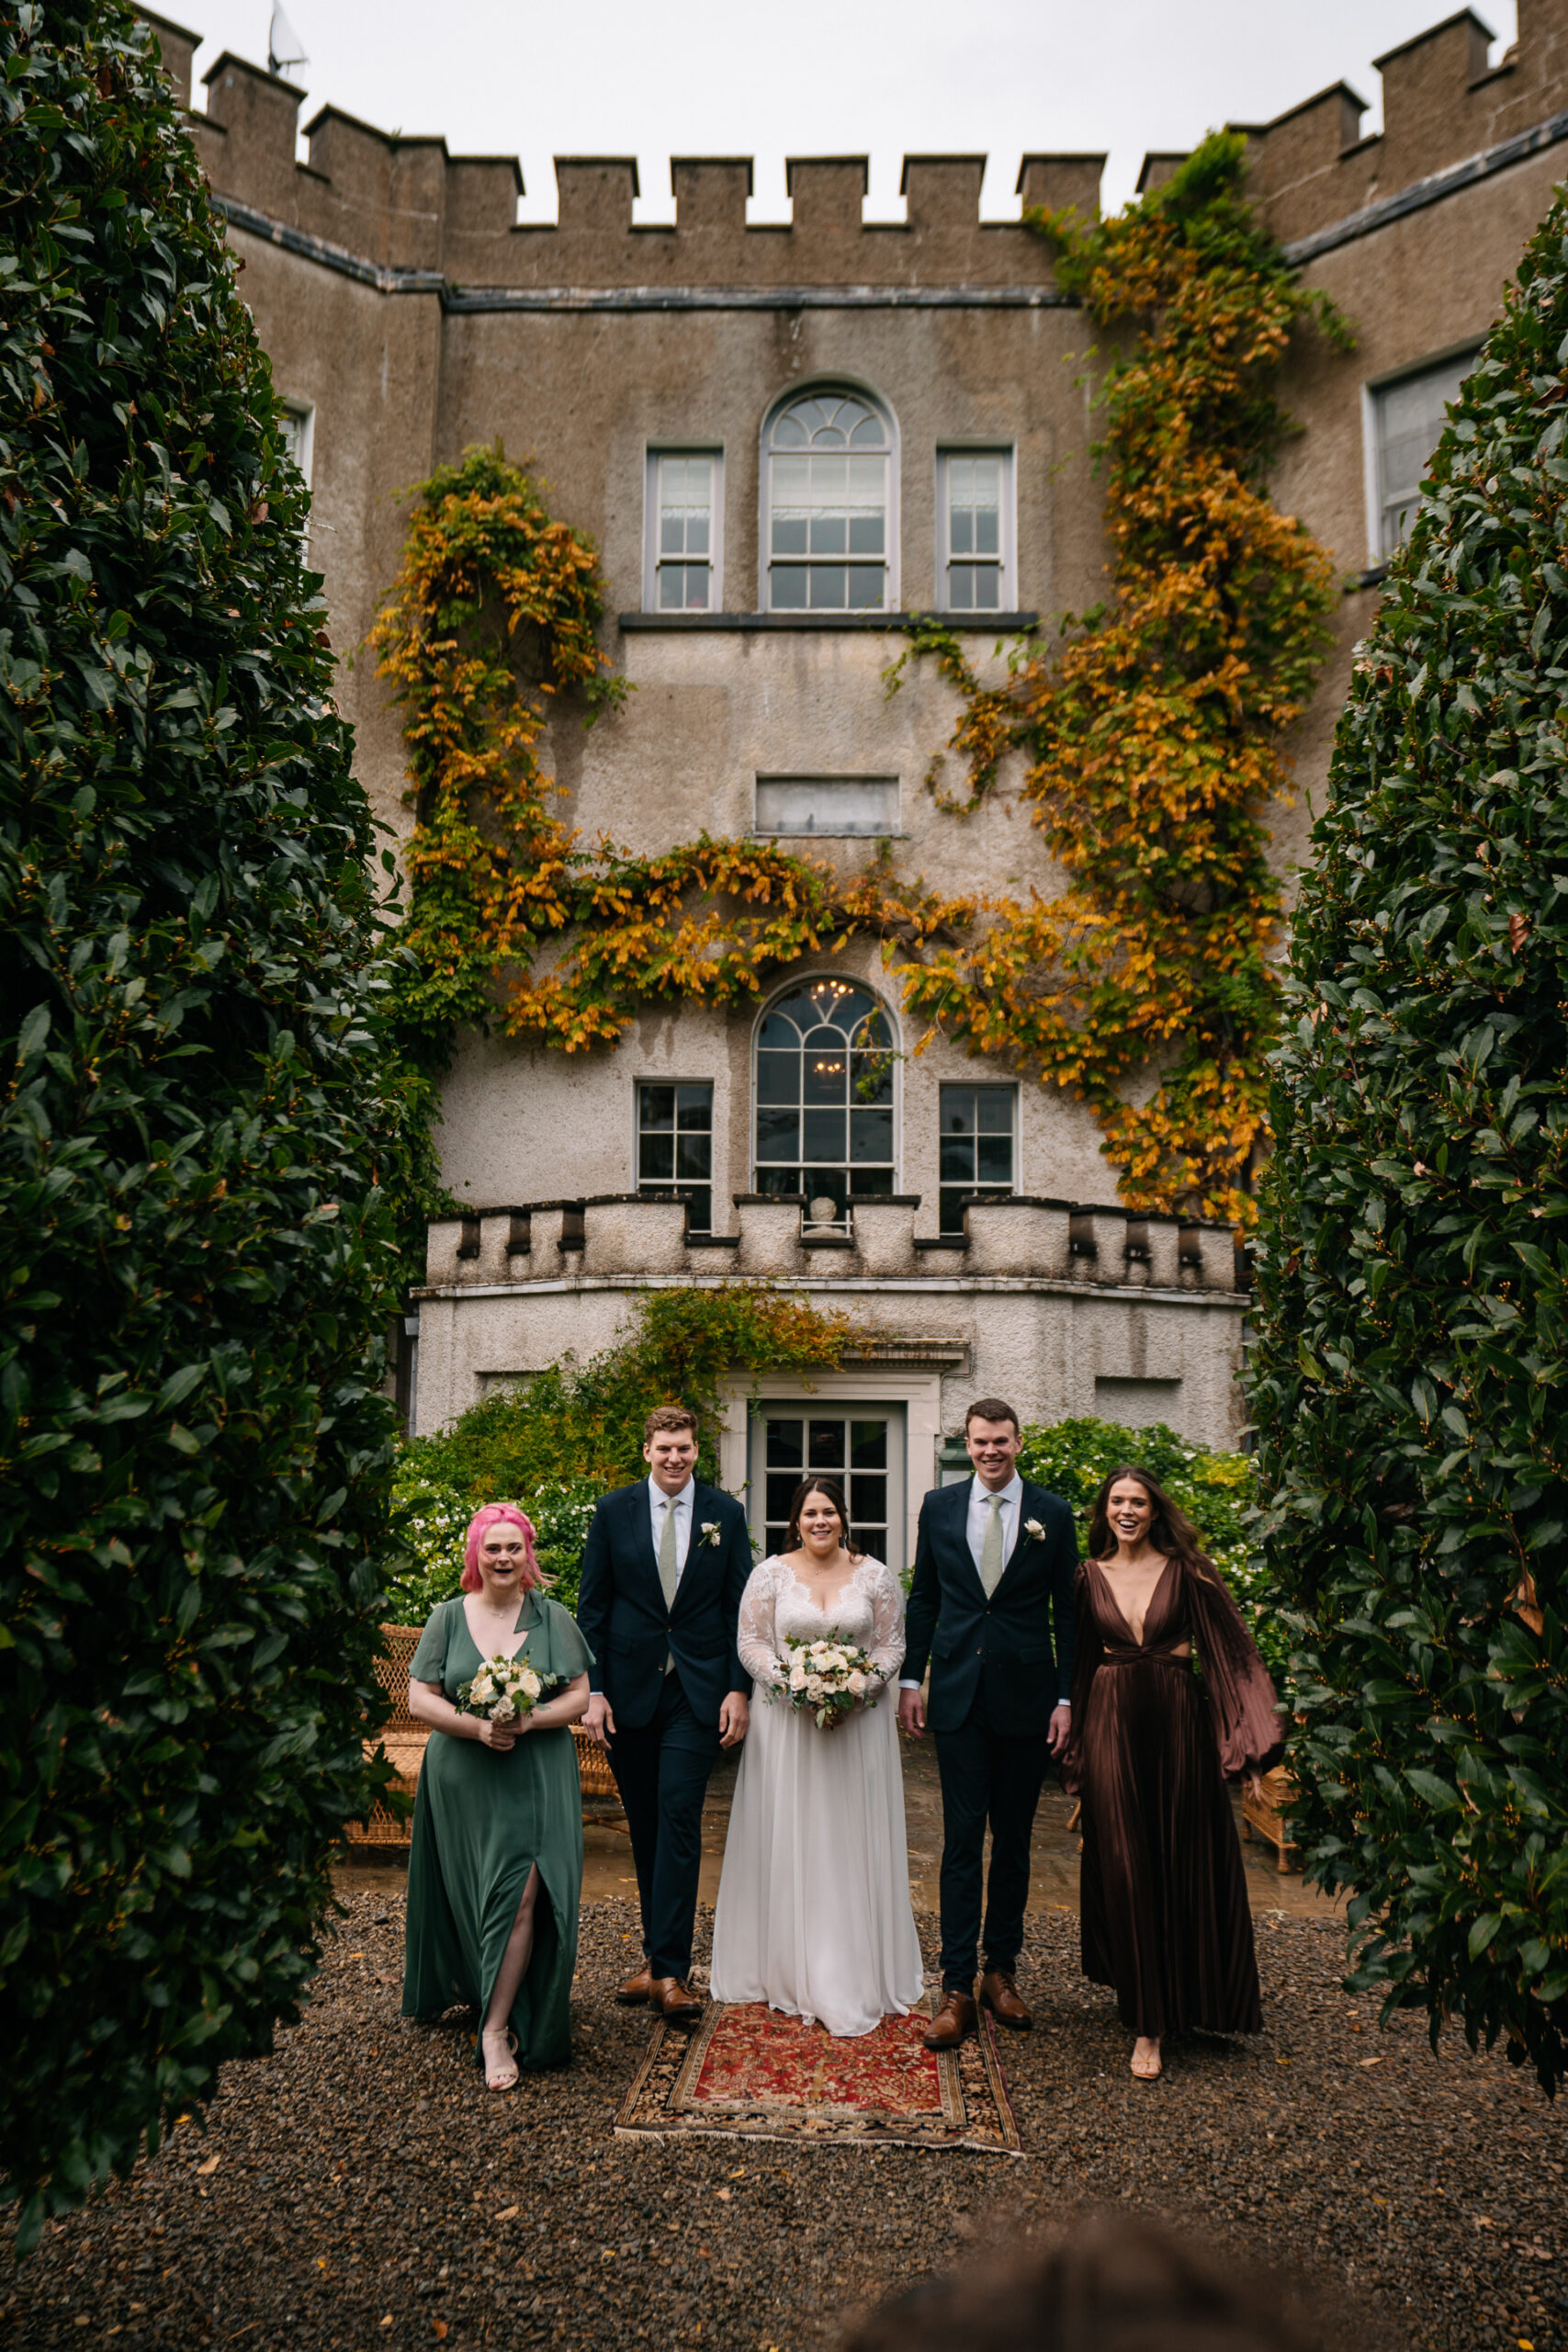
x: 194, y: 1247
x: 1412, y: 1270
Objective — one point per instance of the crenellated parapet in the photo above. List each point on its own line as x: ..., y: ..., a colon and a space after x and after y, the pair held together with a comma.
x: 1444, y: 107
x: 623, y: 1236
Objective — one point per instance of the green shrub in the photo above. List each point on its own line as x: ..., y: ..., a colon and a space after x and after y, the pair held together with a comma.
x: 1216, y: 1489
x: 195, y: 1451
x: 1408, y: 1384
x: 430, y: 1519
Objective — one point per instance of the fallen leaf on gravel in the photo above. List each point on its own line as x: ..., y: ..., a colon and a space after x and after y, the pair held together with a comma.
x: 387, y: 2321
x: 723, y: 2195
x: 1370, y: 2062
x: 211, y: 2165
x: 510, y: 2213
x: 439, y: 2326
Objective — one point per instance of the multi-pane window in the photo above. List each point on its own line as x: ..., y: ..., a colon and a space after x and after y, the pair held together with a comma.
x: 828, y: 535
x: 850, y: 1451
x: 853, y: 805
x: 683, y: 518
x: 1409, y: 419
x: 674, y: 1148
x: 978, y: 1152
x: 825, y: 1061
x: 297, y: 427
x: 975, y: 523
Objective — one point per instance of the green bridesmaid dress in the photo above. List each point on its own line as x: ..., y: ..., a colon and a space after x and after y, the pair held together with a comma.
x: 482, y: 1821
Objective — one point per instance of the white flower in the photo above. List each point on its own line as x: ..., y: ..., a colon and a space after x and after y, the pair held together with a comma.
x: 855, y: 1685
x: 503, y: 1711
x: 530, y: 1682
x: 711, y: 1531
x: 1032, y: 1527
x: 797, y: 1676
x: 815, y: 1687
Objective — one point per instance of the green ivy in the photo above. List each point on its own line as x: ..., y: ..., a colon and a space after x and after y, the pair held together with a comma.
x: 1408, y: 1384
x: 194, y: 1249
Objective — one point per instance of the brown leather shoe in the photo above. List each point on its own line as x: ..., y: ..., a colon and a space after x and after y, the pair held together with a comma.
x: 677, y: 2002
x: 999, y: 1995
x: 637, y: 1989
x: 952, y: 2023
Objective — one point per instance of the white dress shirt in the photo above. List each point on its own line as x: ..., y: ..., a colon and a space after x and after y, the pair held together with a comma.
x: 680, y: 1504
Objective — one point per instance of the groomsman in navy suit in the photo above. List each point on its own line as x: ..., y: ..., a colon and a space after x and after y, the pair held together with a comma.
x: 663, y: 1570
x: 991, y: 1607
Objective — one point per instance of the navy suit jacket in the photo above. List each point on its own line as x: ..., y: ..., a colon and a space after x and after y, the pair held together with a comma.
x: 621, y: 1609
x: 1015, y: 1649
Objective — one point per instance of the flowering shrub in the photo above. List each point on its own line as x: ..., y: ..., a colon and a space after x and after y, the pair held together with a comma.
x: 1216, y: 1489
x: 431, y: 1514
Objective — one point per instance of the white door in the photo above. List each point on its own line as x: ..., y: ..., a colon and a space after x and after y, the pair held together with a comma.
x: 860, y: 1446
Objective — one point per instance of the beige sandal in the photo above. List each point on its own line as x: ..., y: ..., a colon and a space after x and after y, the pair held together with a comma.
x: 497, y: 2078
x: 1144, y: 2070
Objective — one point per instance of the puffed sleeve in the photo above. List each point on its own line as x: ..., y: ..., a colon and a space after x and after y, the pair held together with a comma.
x: 1246, y: 1706
x: 886, y: 1645
x: 428, y: 1663
x: 754, y: 1635
x: 569, y: 1653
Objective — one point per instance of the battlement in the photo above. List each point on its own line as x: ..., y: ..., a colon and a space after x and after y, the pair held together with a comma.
x: 1442, y: 106
x: 622, y: 1236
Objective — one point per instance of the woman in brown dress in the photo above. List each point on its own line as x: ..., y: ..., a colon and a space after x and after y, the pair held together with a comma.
x: 1164, y: 1899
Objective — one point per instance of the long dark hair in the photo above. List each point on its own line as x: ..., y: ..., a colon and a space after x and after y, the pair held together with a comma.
x: 1170, y: 1530
x: 835, y: 1494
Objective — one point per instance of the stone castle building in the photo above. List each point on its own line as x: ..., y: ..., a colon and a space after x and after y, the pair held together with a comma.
x: 783, y: 439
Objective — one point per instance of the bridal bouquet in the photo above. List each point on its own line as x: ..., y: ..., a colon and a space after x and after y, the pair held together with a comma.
x: 828, y: 1677
x: 506, y: 1690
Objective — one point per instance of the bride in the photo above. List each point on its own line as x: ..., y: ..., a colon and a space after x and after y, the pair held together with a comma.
x: 814, y: 1913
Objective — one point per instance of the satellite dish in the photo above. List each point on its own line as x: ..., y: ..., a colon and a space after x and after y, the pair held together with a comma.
x: 283, y: 46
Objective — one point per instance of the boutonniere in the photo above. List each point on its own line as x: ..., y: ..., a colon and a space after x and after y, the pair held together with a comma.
x: 1032, y: 1527
x: 712, y: 1531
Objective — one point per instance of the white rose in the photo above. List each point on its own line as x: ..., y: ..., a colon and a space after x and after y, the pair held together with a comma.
x: 855, y: 1685
x: 815, y: 1687
x: 797, y: 1676
x: 530, y: 1682
x: 503, y: 1711
x: 482, y: 1689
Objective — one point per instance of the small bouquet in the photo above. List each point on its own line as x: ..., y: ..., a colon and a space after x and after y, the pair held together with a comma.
x: 828, y: 1677
x: 506, y: 1690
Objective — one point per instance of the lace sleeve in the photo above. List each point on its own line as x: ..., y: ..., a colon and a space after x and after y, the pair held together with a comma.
x: 886, y: 1643
x: 754, y: 1637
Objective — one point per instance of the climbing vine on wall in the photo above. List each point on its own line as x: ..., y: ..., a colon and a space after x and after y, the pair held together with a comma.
x: 1150, y: 745
x: 1153, y: 739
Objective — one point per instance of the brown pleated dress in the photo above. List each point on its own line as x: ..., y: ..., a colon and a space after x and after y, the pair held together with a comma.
x: 1163, y: 1895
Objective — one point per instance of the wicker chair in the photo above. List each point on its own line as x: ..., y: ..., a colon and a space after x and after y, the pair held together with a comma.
x: 404, y: 1737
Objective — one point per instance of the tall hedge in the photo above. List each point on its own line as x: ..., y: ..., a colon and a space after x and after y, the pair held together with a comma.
x: 1409, y: 1384
x: 193, y: 1249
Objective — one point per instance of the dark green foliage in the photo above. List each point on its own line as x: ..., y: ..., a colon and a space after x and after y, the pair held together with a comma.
x: 194, y: 1250
x: 1408, y: 1387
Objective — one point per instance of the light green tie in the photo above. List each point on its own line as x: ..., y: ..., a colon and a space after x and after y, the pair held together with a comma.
x: 669, y: 1566
x: 991, y: 1548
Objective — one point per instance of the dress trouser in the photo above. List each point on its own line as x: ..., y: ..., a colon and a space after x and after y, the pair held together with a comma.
x: 661, y: 1771
x: 985, y: 1777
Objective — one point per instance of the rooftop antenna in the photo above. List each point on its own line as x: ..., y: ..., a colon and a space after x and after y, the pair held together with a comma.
x: 283, y: 46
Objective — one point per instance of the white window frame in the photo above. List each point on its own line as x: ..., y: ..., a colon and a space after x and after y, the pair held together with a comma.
x: 1372, y: 443
x: 654, y: 1077
x: 714, y: 452
x: 828, y: 833
x: 978, y: 1086
x: 788, y: 988
x: 304, y: 415
x: 857, y: 390
x: 1007, y: 554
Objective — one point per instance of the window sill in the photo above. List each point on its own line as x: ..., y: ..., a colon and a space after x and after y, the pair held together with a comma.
x: 885, y: 624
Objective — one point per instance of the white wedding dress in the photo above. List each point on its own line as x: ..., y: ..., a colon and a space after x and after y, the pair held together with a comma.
x: 813, y: 1914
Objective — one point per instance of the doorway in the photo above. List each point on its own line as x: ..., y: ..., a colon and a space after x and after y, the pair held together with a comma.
x: 860, y: 1446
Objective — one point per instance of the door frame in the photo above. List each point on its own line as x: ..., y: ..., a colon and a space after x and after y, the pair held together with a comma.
x: 919, y: 1394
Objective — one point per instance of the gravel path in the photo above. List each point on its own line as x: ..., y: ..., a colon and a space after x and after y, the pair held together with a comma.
x: 358, y: 2190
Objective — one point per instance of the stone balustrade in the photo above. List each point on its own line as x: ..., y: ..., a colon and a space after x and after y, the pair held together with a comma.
x: 1014, y: 1236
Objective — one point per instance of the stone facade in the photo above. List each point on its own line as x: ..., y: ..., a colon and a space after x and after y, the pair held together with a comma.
x: 407, y: 316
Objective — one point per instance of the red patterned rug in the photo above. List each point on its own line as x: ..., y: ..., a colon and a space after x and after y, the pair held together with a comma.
x: 747, y: 2073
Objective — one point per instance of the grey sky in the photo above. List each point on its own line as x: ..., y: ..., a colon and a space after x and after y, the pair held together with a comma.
x: 694, y: 77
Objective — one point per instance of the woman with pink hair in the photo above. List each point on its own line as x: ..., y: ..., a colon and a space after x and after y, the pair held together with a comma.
x: 496, y: 1871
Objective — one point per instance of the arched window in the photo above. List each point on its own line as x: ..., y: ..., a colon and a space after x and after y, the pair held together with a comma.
x: 826, y: 1054
x: 829, y: 491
